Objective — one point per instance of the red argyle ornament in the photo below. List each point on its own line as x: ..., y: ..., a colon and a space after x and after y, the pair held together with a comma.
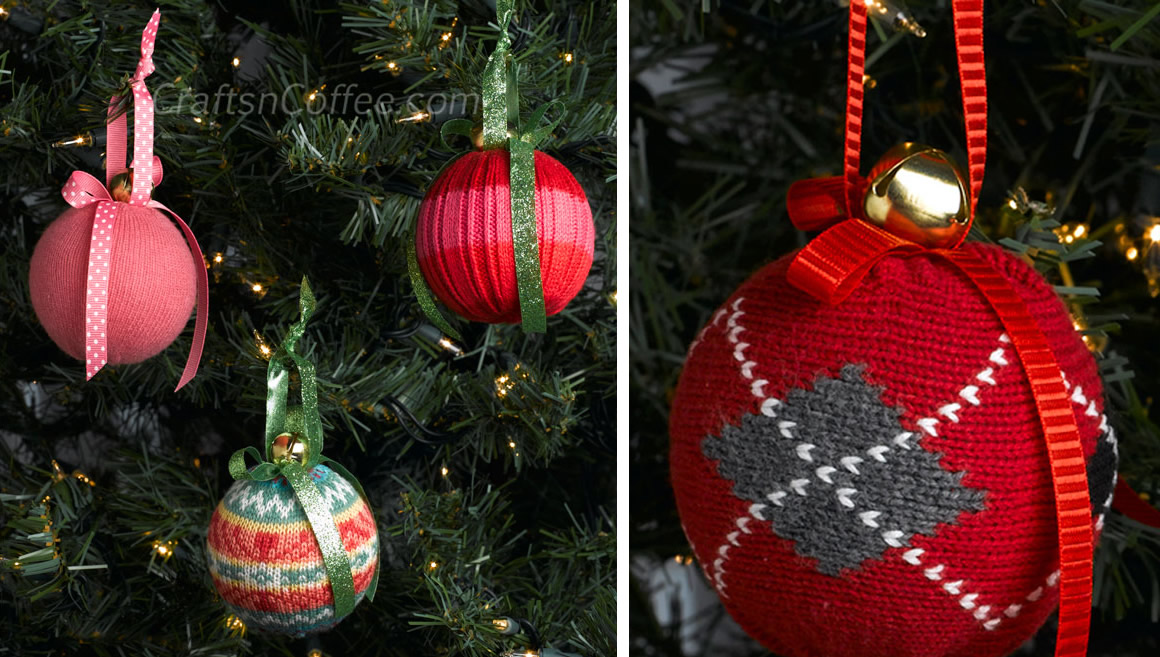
x: 870, y: 479
x: 888, y: 443
x: 464, y: 239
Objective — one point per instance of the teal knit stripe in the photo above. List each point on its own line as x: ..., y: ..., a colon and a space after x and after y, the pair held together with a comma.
x: 274, y: 501
x: 272, y: 576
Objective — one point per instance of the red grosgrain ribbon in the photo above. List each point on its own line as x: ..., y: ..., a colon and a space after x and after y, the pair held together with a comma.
x: 1128, y: 502
x: 83, y: 189
x: 833, y: 265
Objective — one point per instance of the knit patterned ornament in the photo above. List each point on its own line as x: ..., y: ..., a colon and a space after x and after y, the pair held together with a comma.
x: 505, y: 234
x: 464, y: 237
x: 870, y: 479
x: 293, y: 547
x: 891, y: 443
x: 265, y: 562
x: 113, y: 280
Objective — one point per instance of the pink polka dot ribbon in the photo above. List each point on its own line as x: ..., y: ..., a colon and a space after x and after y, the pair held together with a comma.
x: 83, y: 189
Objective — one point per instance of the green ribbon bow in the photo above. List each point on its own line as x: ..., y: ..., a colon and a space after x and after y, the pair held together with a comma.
x: 304, y: 422
x: 501, y: 109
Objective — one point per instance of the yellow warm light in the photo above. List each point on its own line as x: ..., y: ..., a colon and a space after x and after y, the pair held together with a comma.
x: 446, y: 36
x: 392, y: 65
x: 236, y: 62
x: 197, y: 119
x: 1133, y: 253
x: 1154, y: 233
x: 217, y: 257
x: 256, y: 287
x: 433, y: 565
x: 512, y: 444
x: 567, y: 58
x: 164, y: 550
x: 414, y: 118
x: 444, y: 470
x: 1012, y: 204
x: 445, y: 343
x: 501, y: 624
x: 1080, y: 230
x: 79, y: 140
x: 264, y: 349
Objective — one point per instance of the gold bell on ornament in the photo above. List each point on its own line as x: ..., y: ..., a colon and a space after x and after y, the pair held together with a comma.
x: 121, y: 187
x: 918, y: 193
x: 287, y: 447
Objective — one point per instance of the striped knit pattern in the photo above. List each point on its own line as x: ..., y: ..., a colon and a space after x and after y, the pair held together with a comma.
x: 265, y: 561
x: 464, y: 237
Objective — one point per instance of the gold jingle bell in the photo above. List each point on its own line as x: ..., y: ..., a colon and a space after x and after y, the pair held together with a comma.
x: 287, y: 447
x: 121, y: 187
x: 918, y: 193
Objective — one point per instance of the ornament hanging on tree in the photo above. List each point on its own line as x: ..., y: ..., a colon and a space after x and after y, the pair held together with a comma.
x: 293, y: 546
x: 112, y: 280
x: 505, y: 234
x: 883, y: 444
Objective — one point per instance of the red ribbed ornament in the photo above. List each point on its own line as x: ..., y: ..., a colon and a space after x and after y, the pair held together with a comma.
x: 871, y: 479
x: 464, y: 246
x: 152, y: 282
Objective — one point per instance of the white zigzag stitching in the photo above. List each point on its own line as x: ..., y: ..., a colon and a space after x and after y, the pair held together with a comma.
x: 967, y: 601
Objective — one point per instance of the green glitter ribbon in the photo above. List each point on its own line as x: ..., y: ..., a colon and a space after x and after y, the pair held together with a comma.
x: 501, y: 129
x: 305, y: 423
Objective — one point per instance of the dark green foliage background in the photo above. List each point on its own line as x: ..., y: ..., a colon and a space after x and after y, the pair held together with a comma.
x: 521, y: 524
x: 1074, y: 118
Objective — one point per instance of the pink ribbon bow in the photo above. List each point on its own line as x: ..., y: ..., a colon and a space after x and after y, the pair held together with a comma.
x: 83, y: 190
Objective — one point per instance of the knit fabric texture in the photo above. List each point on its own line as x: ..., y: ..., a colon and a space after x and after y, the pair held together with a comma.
x: 265, y: 561
x: 464, y: 236
x: 870, y: 479
x: 152, y: 282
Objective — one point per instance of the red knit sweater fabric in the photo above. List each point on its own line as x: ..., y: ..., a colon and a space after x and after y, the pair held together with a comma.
x: 152, y: 282
x: 870, y: 479
x: 464, y: 236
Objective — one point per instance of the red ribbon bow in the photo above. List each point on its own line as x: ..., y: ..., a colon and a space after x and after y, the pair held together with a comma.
x: 834, y: 264
x: 83, y: 190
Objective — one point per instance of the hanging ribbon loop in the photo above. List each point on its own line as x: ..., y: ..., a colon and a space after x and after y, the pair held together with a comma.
x: 305, y: 423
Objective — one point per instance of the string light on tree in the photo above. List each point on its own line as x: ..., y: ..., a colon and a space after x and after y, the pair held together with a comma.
x: 164, y: 549
x: 236, y: 62
x: 74, y: 142
x: 417, y: 117
x: 506, y: 626
x: 899, y: 20
x: 235, y: 625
